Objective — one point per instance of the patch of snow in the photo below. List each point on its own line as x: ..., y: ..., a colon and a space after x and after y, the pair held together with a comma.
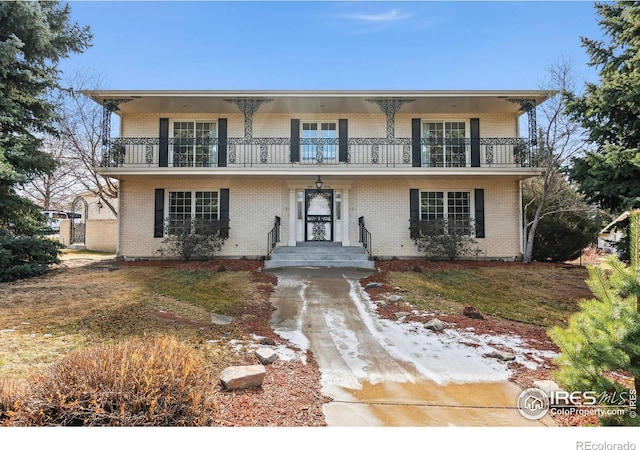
x: 294, y: 334
x: 346, y: 342
x: 442, y: 357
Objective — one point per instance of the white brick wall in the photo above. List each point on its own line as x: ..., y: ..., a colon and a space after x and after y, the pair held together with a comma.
x: 383, y: 201
x: 279, y: 125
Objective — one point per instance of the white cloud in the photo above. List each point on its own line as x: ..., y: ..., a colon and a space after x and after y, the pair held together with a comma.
x: 391, y: 16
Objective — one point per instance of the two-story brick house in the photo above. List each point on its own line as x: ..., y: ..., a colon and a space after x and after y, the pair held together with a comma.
x: 324, y: 162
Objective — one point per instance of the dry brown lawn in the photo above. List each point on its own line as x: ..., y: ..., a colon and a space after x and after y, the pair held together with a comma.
x: 92, y: 299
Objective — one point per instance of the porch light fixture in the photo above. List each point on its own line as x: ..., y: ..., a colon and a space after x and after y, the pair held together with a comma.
x: 99, y: 205
x: 319, y: 183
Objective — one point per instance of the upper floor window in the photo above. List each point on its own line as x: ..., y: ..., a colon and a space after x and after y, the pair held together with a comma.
x: 444, y: 144
x: 194, y: 144
x: 315, y: 149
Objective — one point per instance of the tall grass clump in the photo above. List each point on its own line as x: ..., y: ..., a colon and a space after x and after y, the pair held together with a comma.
x: 137, y: 382
x: 9, y: 399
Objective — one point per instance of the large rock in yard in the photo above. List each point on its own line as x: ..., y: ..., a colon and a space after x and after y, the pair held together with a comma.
x: 471, y: 312
x: 242, y: 377
x: 550, y: 388
x: 395, y: 298
x: 502, y: 356
x: 435, y: 325
x: 219, y: 319
x: 266, y: 355
x: 373, y: 285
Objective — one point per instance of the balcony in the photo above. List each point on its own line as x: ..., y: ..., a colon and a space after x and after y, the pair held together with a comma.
x: 370, y: 153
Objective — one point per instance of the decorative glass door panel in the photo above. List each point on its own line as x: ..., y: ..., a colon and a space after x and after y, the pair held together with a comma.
x: 319, y: 215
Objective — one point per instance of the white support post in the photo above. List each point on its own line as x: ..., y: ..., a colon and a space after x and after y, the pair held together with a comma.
x: 345, y: 218
x: 292, y: 218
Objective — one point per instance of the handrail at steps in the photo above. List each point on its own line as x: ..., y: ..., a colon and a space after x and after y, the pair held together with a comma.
x: 364, y: 237
x: 273, y: 237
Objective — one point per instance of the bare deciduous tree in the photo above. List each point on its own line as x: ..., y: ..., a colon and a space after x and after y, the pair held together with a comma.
x: 559, y: 140
x: 80, y: 127
x: 53, y: 191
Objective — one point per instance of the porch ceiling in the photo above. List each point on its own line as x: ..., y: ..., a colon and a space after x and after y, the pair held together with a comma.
x: 320, y: 102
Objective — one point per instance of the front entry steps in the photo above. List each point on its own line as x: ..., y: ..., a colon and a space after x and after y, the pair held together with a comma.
x: 319, y: 254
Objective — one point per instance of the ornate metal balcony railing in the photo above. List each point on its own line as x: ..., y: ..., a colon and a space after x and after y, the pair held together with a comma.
x: 375, y: 152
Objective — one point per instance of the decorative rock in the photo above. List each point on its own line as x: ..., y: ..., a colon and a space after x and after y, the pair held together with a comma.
x: 242, y: 377
x: 373, y: 285
x: 266, y: 355
x: 435, y: 325
x: 219, y: 319
x: 549, y: 386
x: 400, y: 314
x: 502, y: 356
x: 471, y: 312
x: 266, y: 341
x: 395, y: 298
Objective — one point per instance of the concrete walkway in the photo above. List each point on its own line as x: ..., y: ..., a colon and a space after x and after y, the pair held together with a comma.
x: 378, y: 377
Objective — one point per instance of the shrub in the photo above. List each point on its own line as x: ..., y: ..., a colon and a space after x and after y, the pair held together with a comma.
x: 26, y: 256
x: 194, y: 238
x: 141, y: 381
x: 442, y: 239
x: 9, y: 400
x: 563, y: 237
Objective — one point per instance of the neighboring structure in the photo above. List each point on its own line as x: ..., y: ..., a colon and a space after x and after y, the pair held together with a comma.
x: 95, y: 227
x: 612, y: 234
x: 339, y: 166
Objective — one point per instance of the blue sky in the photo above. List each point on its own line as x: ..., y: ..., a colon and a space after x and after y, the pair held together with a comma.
x: 331, y: 45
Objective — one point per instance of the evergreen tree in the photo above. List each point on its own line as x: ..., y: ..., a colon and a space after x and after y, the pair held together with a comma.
x: 34, y: 37
x: 609, y: 175
x: 604, y: 336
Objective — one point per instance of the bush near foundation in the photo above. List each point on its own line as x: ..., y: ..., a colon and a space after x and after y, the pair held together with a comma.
x: 138, y: 382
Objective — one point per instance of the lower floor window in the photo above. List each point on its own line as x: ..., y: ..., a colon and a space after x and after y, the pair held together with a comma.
x: 190, y: 209
x: 449, y: 211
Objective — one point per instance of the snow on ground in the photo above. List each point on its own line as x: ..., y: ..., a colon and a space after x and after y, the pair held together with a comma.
x: 450, y: 356
x: 444, y: 356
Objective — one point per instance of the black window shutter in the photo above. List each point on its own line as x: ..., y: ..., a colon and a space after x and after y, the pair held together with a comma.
x: 158, y: 219
x: 416, y: 152
x: 163, y: 156
x: 414, y: 210
x: 222, y: 142
x: 295, y: 140
x: 343, y: 135
x: 475, y: 142
x: 479, y: 206
x: 224, y: 208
